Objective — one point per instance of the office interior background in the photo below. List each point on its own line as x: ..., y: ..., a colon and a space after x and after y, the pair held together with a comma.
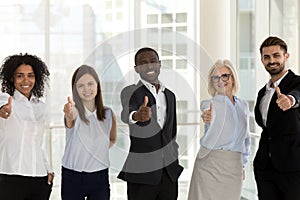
x: 189, y: 36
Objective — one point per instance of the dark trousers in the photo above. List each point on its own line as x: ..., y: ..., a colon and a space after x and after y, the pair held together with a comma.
x: 15, y: 187
x: 78, y: 185
x: 275, y: 185
x: 165, y: 190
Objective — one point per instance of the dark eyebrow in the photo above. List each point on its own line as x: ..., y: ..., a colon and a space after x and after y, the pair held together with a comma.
x: 276, y: 53
x: 23, y: 73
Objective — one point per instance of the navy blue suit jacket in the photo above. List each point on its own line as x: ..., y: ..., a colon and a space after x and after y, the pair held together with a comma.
x: 280, y: 138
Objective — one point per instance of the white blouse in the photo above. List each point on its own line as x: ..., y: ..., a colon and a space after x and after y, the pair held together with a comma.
x: 21, y: 137
x: 229, y: 128
x: 87, y: 145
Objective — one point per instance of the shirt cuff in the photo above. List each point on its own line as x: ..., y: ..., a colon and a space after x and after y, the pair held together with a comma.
x: 131, y: 121
x: 294, y: 100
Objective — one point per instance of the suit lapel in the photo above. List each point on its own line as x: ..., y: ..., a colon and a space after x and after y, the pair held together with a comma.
x: 258, y: 114
x: 169, y: 101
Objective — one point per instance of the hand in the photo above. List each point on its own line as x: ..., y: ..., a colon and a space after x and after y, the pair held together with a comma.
x: 68, y: 110
x: 144, y: 112
x: 50, y: 178
x: 283, y: 101
x: 5, y: 110
x: 207, y: 115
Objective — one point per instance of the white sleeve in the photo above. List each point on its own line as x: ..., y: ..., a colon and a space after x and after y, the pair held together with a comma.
x: 46, y: 162
x: 4, y: 99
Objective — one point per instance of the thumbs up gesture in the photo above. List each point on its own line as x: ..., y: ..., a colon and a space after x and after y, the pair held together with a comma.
x: 144, y: 112
x: 207, y: 115
x: 283, y: 101
x: 5, y: 110
x: 69, y: 112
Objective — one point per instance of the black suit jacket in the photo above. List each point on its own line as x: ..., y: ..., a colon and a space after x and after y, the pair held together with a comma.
x: 280, y: 138
x: 151, y: 148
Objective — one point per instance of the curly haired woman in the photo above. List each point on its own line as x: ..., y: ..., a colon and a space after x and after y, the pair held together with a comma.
x: 24, y: 170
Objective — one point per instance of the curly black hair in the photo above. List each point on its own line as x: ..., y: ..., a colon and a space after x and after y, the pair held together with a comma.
x: 11, y: 63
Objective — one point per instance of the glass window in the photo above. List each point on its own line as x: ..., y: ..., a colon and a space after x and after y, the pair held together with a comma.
x: 108, y: 4
x: 166, y: 18
x: 109, y: 17
x: 181, y: 17
x: 119, y: 3
x: 181, y: 64
x: 166, y: 64
x: 246, y: 69
x: 119, y: 16
x: 181, y: 29
x: 182, y: 108
x: 167, y: 50
x: 152, y: 19
x: 284, y: 22
x: 181, y: 49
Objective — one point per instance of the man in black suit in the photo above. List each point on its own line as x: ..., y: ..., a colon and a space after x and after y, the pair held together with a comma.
x: 277, y: 112
x: 149, y: 108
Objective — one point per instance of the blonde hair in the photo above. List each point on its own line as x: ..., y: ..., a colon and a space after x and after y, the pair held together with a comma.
x: 218, y: 64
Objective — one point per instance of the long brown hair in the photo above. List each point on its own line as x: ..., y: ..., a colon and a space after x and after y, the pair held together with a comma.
x: 100, y: 110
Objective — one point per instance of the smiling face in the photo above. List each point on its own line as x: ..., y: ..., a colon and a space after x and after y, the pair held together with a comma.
x: 87, y: 88
x: 24, y: 79
x: 148, y: 66
x: 274, y: 58
x: 224, y: 84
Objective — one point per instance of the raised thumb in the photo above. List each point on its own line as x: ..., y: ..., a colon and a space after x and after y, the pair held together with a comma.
x: 145, y: 101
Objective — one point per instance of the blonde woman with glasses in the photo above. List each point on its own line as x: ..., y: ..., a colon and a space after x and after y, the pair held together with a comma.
x: 219, y: 166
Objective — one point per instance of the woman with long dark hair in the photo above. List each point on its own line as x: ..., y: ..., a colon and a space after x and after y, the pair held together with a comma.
x: 90, y: 131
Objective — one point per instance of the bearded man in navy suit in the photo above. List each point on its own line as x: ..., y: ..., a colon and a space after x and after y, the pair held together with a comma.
x: 277, y: 112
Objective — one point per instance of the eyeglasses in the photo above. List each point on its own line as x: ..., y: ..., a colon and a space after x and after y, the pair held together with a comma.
x: 224, y: 77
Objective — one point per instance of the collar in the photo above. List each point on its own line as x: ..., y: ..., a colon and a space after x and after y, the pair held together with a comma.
x: 268, y: 85
x: 20, y: 97
x: 149, y: 85
x: 88, y: 113
x: 221, y: 97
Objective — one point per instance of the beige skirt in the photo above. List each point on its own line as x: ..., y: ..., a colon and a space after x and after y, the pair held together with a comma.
x: 217, y: 175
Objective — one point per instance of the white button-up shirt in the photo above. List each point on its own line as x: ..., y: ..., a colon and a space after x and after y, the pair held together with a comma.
x: 161, y: 102
x: 265, y: 101
x: 21, y: 137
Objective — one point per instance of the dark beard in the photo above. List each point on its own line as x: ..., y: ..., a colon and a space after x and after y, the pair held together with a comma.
x: 275, y: 71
